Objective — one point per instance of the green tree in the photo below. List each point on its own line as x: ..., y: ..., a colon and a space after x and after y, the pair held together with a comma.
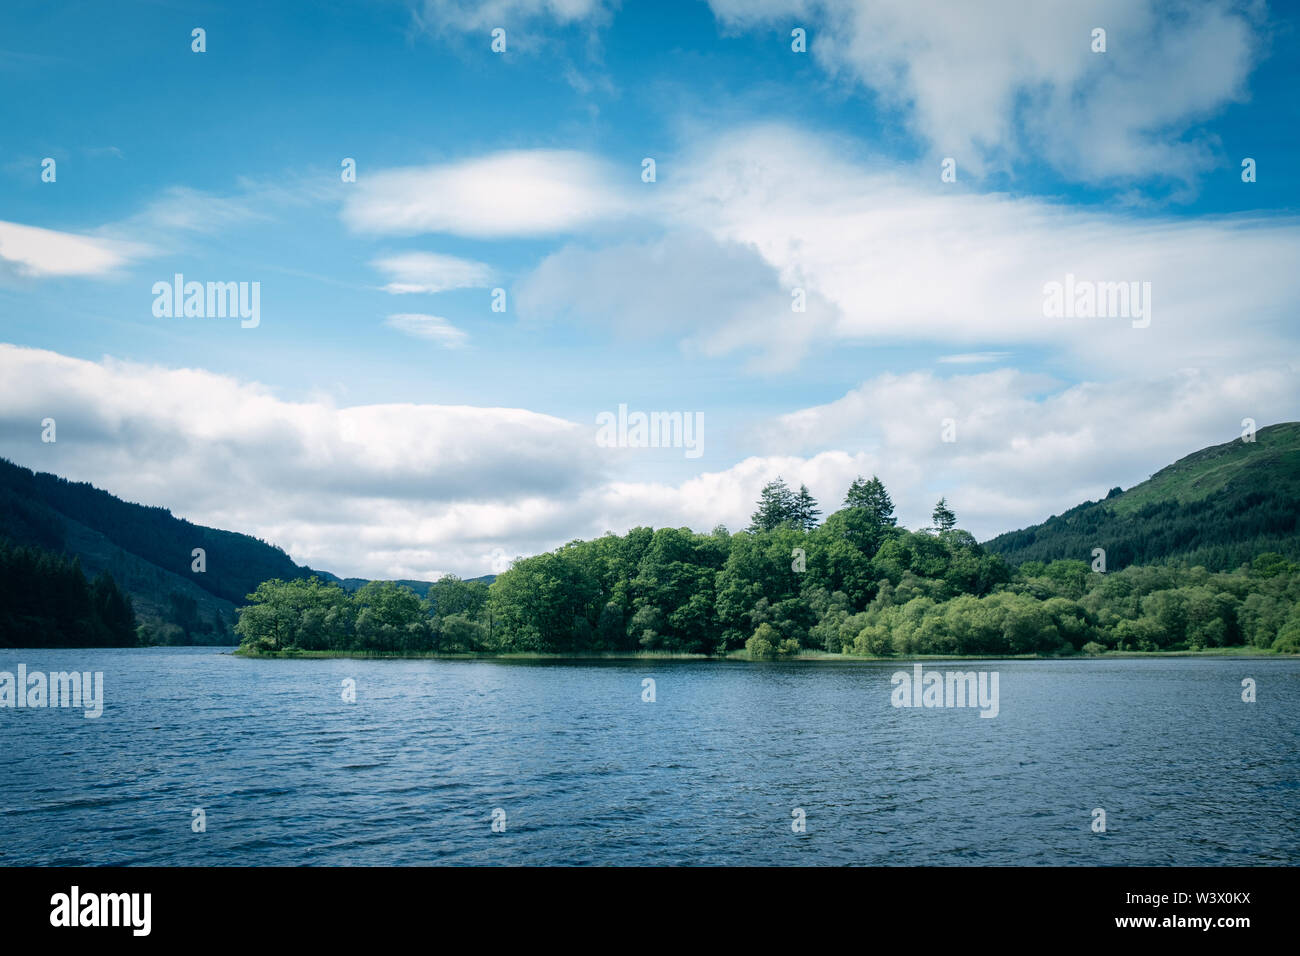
x: 872, y: 497
x: 777, y: 505
x: 805, y: 509
x: 943, y: 518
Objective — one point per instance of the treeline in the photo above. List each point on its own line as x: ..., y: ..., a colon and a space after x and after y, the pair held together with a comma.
x: 380, y: 616
x: 854, y: 584
x: 46, y: 601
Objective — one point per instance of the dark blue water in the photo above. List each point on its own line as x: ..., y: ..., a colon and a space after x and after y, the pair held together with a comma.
x: 586, y: 772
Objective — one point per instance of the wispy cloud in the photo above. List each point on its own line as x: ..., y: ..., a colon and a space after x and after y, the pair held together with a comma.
x: 432, y: 327
x: 429, y: 272
x: 972, y: 358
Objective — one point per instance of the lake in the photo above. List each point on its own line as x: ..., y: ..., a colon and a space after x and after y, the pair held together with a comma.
x: 586, y: 772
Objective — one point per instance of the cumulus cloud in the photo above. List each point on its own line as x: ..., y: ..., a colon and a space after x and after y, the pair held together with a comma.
x: 537, y: 192
x: 995, y: 82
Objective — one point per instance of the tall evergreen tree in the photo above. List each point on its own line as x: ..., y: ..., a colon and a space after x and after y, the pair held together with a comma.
x: 777, y: 504
x: 943, y: 518
x: 806, y: 511
x: 872, y: 496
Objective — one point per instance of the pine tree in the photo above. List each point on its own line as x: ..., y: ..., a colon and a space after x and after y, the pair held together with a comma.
x: 872, y: 496
x: 943, y: 518
x: 777, y: 504
x: 805, y: 507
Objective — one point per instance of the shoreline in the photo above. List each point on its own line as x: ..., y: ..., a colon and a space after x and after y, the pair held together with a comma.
x: 1243, y: 652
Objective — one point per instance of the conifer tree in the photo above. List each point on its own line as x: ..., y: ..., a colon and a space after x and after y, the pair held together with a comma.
x: 943, y: 518
x: 777, y: 504
x: 872, y: 496
x: 806, y: 511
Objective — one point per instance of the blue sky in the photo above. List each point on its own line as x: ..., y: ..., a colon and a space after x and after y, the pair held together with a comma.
x: 775, y: 170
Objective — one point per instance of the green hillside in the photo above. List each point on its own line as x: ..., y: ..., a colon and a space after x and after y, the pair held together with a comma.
x: 1218, y: 507
x: 147, y: 552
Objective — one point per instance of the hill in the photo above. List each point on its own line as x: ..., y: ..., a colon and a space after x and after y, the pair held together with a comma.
x: 147, y: 551
x: 1218, y: 507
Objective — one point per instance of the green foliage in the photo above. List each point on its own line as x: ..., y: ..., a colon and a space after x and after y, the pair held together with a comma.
x: 762, y: 644
x: 805, y: 509
x: 943, y: 518
x: 872, y: 498
x: 46, y: 601
x: 147, y: 550
x: 864, y: 586
x: 778, y: 505
x: 1218, y: 508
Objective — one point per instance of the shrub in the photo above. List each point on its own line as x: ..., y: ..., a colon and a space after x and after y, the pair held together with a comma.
x: 763, y: 644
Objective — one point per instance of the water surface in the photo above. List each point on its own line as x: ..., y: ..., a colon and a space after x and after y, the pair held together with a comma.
x: 289, y: 773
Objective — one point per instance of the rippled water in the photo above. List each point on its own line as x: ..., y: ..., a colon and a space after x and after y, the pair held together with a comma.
x: 586, y: 772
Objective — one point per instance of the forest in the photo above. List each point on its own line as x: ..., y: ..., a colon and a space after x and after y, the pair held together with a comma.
x: 855, y: 583
x: 1218, y: 507
x: 148, y: 550
x: 46, y: 601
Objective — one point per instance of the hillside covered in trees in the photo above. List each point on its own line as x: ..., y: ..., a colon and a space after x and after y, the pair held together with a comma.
x: 1218, y: 508
x: 854, y: 584
x: 47, y: 521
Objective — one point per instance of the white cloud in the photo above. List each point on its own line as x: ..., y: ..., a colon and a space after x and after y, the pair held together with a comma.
x: 516, y: 193
x: 901, y: 260
x: 33, y: 252
x: 994, y: 82
x: 431, y: 273
x: 432, y: 327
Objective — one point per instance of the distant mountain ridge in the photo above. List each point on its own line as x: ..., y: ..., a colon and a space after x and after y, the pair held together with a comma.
x: 1218, y: 507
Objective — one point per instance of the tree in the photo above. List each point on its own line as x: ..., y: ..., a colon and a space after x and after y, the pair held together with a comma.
x: 390, y: 617
x: 871, y: 496
x: 943, y: 518
x: 777, y: 505
x: 805, y: 509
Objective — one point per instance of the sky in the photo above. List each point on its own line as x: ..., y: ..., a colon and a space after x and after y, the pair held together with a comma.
x: 840, y: 266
